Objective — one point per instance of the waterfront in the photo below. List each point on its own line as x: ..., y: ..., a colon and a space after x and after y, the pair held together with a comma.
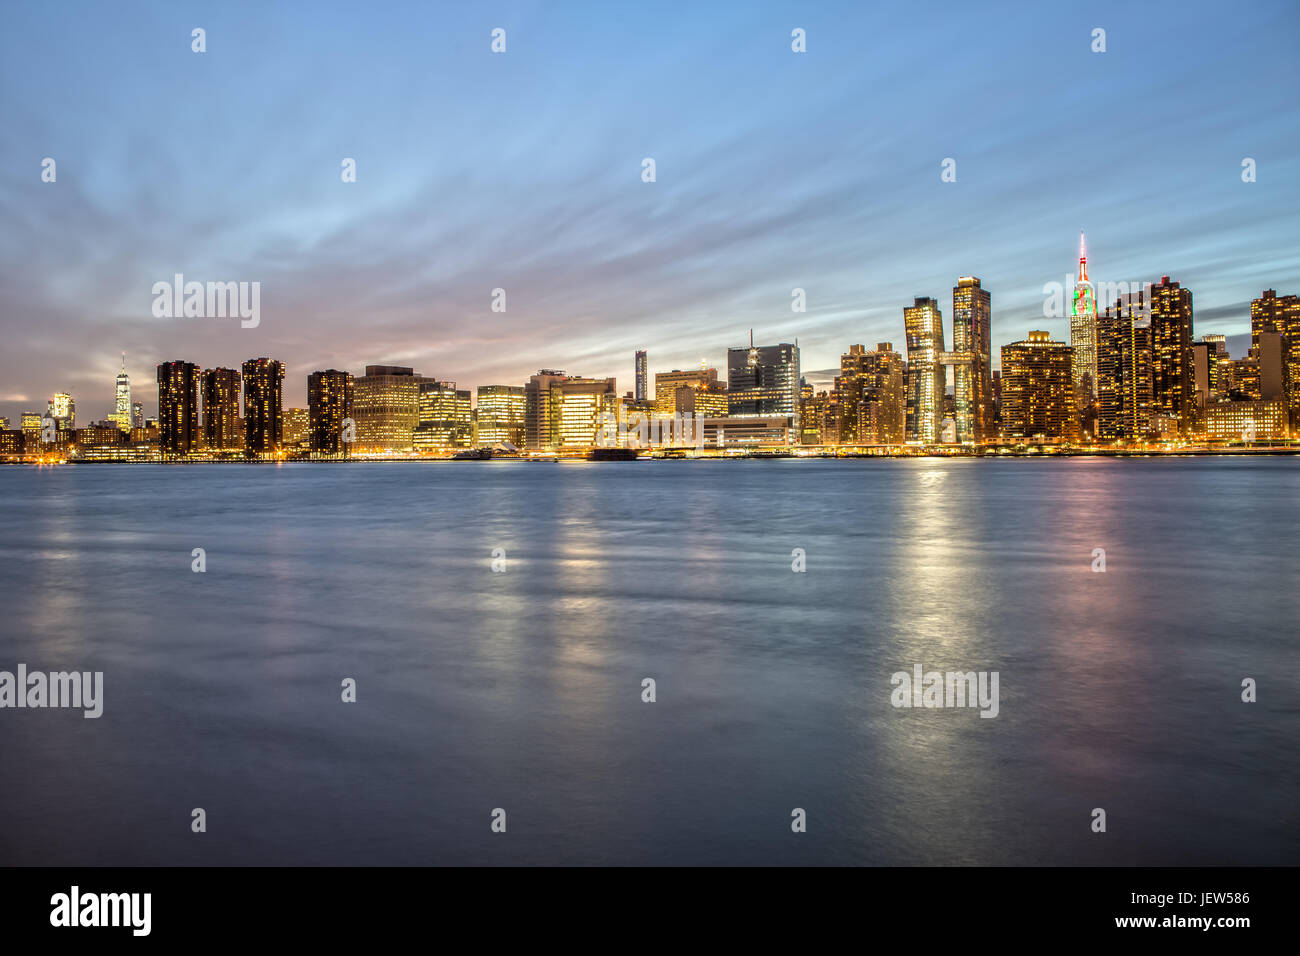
x: 522, y: 689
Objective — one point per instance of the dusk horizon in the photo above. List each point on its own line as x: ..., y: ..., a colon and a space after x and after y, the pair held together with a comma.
x: 226, y: 167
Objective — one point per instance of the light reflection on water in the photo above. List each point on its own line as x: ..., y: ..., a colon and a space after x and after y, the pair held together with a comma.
x: 523, y: 690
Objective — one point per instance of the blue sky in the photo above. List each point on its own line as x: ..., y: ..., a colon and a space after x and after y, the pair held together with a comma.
x: 522, y: 171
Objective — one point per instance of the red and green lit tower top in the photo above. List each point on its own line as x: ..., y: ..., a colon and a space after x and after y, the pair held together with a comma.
x: 1085, y: 298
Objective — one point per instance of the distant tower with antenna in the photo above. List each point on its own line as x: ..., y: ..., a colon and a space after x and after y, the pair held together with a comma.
x: 1083, y: 325
x: 121, y: 416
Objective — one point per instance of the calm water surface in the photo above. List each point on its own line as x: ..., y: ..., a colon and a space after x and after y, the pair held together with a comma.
x: 522, y: 690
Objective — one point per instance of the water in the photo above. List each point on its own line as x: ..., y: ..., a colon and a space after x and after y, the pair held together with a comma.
x: 522, y: 690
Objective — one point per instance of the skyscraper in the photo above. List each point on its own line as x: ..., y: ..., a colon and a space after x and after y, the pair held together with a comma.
x: 871, y: 397
x: 386, y: 409
x: 121, y: 416
x: 926, y: 378
x: 178, y: 409
x: 541, y: 424
x: 971, y: 359
x: 220, y: 391
x: 578, y: 406
x: 1281, y: 314
x: 263, y: 406
x: 1038, y: 397
x: 763, y: 381
x: 329, y: 402
x: 642, y: 376
x: 1171, y: 338
x: 446, y: 421
x: 1123, y: 369
x: 1083, y: 330
x: 501, y: 413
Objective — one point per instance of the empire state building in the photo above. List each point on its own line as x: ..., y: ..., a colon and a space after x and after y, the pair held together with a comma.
x: 1083, y: 327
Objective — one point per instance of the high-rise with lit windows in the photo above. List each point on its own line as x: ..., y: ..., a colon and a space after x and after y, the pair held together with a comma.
x: 927, y: 379
x: 329, y: 406
x: 263, y: 407
x: 220, y: 391
x: 1038, y: 395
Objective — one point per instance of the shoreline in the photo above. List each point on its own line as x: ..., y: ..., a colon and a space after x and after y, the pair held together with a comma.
x: 756, y: 455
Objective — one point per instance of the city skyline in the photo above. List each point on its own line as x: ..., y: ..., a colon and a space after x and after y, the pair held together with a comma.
x: 400, y: 266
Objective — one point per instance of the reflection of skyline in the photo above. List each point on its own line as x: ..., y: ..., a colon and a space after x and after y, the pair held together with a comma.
x: 521, y: 171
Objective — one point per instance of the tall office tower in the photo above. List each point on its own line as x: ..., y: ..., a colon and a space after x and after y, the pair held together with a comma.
x: 926, y: 377
x: 811, y: 408
x: 178, y: 409
x: 578, y: 405
x: 667, y: 385
x: 137, y: 415
x: 220, y: 392
x: 871, y: 396
x: 972, y: 315
x: 63, y: 409
x: 501, y: 414
x: 30, y: 423
x: 1083, y: 331
x: 446, y: 419
x: 297, y: 428
x: 642, y: 376
x: 1271, y: 313
x: 541, y: 426
x: 1219, y: 359
x: 764, y: 381
x: 386, y: 409
x: 1038, y: 398
x: 329, y: 402
x: 263, y: 406
x: 1171, y: 336
x: 121, y: 416
x: 1123, y: 369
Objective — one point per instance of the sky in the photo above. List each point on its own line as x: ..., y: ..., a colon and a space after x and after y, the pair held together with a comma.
x: 522, y: 171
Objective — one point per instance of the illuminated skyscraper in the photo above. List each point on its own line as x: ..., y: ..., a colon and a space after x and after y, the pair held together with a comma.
x: 329, y: 403
x: 446, y: 419
x: 30, y: 423
x: 578, y: 405
x: 121, y: 416
x: 871, y: 396
x: 642, y: 376
x: 137, y: 415
x: 1281, y: 314
x: 297, y: 429
x: 1038, y: 399
x: 971, y: 359
x: 1123, y: 369
x: 178, y: 409
x: 263, y: 406
x: 926, y: 377
x: 1083, y: 330
x: 763, y: 381
x: 220, y: 392
x: 1171, y: 338
x: 501, y: 414
x: 541, y: 424
x: 386, y: 409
